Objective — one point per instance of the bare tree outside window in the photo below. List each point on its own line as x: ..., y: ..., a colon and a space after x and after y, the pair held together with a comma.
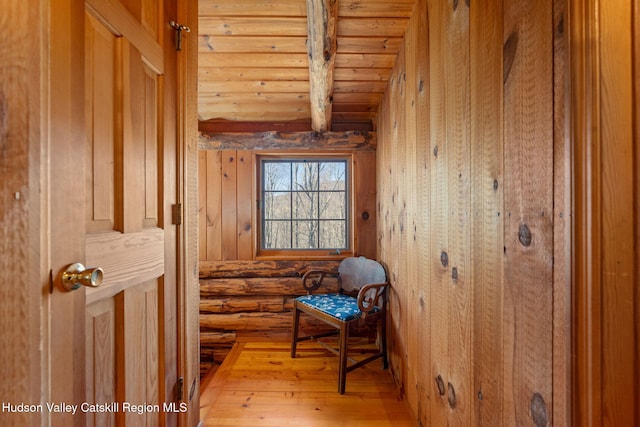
x: 304, y: 204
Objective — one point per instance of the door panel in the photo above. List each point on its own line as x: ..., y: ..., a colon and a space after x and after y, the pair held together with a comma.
x: 138, y: 363
x: 100, y: 63
x: 100, y: 359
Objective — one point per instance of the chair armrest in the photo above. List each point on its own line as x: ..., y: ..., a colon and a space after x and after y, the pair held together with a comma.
x: 369, y: 297
x: 312, y: 279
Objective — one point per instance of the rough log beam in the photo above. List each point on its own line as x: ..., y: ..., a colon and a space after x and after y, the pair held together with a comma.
x: 322, y: 23
x: 351, y: 140
x: 243, y: 304
x: 269, y: 322
x: 212, y: 339
x: 271, y: 286
x: 262, y: 269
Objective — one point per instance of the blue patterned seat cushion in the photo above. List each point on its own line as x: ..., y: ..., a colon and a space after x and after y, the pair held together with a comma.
x: 340, y: 306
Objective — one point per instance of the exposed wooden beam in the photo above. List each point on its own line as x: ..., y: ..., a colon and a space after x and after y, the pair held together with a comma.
x: 322, y: 23
x: 351, y: 140
x: 348, y: 120
x: 229, y: 126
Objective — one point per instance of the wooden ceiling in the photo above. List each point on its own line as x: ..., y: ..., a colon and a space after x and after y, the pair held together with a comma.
x: 254, y: 62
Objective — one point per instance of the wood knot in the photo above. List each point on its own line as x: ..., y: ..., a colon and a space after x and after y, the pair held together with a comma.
x: 539, y: 411
x: 454, y: 274
x: 440, y: 385
x: 444, y: 258
x: 451, y: 396
x: 435, y: 151
x: 509, y: 54
x: 561, y: 25
x: 495, y: 185
x: 524, y: 235
x: 365, y: 215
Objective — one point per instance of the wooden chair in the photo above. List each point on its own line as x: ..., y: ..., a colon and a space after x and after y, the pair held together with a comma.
x: 363, y: 294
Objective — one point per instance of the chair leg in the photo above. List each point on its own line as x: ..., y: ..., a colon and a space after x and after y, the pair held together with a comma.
x: 383, y: 333
x: 342, y: 375
x: 294, y: 337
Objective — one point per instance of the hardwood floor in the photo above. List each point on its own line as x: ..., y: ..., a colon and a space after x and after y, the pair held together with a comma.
x: 259, y: 384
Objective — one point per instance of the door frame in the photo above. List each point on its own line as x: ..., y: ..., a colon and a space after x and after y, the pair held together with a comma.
x: 188, y: 279
x: 605, y: 131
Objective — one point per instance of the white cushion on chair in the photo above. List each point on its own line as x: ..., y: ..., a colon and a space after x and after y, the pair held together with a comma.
x: 355, y: 272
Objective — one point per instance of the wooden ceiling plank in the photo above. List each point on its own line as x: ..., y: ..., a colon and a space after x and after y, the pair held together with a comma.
x: 251, y: 44
x: 358, y: 86
x: 252, y: 8
x: 389, y: 45
x: 253, y: 74
x: 345, y: 107
x: 357, y: 97
x: 292, y: 44
x: 263, y: 100
x: 322, y: 17
x: 260, y: 86
x: 357, y: 8
x: 360, y: 27
x: 364, y: 60
x: 254, y: 59
x: 353, y: 117
x: 372, y: 8
x: 259, y: 60
x: 252, y: 26
x: 369, y: 74
x: 282, y: 60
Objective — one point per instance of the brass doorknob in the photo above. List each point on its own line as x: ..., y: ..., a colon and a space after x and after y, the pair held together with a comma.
x: 77, y: 275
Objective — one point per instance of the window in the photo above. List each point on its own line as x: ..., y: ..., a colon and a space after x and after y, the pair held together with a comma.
x: 304, y: 208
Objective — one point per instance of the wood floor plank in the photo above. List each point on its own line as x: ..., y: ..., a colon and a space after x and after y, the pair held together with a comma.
x: 259, y: 384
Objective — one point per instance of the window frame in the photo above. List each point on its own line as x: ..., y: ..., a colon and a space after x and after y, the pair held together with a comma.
x: 305, y: 254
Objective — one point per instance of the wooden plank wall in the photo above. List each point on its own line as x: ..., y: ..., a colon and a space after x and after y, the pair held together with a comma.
x: 474, y: 116
x: 22, y: 240
x: 227, y: 203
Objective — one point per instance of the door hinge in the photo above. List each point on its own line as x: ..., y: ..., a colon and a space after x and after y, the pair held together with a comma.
x: 179, y: 29
x: 176, y: 214
x: 180, y: 389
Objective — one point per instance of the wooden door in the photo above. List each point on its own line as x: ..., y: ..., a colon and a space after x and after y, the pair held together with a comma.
x: 114, y: 348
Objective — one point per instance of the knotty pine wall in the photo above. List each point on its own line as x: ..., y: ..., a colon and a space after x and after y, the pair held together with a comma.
x: 473, y: 210
x: 227, y: 203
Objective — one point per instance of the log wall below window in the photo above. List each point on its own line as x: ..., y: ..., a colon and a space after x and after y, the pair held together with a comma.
x: 251, y: 298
